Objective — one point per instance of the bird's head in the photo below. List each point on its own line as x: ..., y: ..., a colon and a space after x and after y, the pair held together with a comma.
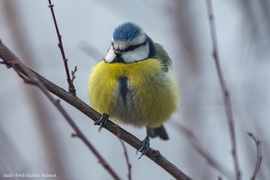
x: 129, y: 44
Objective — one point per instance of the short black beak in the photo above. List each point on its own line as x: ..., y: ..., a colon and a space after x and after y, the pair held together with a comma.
x: 118, y: 52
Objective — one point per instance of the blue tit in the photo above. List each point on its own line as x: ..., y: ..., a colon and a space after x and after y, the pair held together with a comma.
x: 133, y: 84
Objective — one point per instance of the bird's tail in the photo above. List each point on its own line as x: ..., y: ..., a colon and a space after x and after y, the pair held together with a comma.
x: 158, y: 132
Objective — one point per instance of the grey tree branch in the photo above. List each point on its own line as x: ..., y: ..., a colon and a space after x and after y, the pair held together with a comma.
x: 127, y: 159
x: 198, y: 147
x: 258, y: 144
x: 71, y: 87
x: 225, y: 91
x: 152, y: 154
x: 30, y: 77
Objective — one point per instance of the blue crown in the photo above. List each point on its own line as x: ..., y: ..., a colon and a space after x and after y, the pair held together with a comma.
x: 126, y: 32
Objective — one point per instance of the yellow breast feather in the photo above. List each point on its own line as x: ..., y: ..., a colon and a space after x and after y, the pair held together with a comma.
x: 154, y: 92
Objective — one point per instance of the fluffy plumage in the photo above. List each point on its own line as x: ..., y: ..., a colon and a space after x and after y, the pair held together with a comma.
x: 146, y: 97
x: 133, y: 84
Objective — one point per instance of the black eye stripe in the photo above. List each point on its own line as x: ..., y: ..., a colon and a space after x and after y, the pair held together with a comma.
x: 132, y: 47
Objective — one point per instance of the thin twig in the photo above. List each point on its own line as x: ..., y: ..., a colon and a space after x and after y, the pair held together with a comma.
x: 226, y: 95
x: 258, y: 144
x: 198, y: 147
x: 8, y: 56
x: 71, y: 87
x: 29, y: 77
x: 73, y: 74
x: 127, y: 160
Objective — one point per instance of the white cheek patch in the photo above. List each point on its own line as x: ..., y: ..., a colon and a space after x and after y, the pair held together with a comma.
x: 137, y: 54
x: 110, y: 55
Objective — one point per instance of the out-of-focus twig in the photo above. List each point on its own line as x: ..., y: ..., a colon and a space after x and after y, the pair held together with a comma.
x: 226, y: 94
x: 91, y: 51
x: 29, y: 77
x: 71, y: 87
x: 9, y: 57
x: 259, y: 155
x: 198, y: 147
x: 127, y: 160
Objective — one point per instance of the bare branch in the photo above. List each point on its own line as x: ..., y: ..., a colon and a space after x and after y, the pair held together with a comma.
x: 127, y: 160
x: 8, y: 57
x: 226, y: 95
x: 73, y: 76
x: 258, y: 144
x: 29, y: 77
x: 71, y: 87
x: 198, y: 147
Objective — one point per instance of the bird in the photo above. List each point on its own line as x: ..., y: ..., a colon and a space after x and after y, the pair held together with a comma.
x: 133, y: 84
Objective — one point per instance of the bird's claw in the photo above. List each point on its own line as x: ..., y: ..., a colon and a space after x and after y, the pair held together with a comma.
x: 102, y: 121
x: 144, y: 147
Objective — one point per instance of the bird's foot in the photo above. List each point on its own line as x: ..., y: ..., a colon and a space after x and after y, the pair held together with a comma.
x: 102, y: 121
x: 144, y: 146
